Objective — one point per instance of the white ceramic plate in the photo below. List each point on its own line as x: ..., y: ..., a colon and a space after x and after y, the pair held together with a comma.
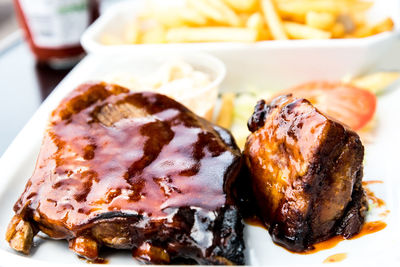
x: 381, y: 163
x: 303, y: 59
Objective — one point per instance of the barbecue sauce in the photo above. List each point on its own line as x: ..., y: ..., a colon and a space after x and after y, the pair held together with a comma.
x: 94, y: 169
x: 371, y: 195
x: 368, y: 228
x: 336, y: 258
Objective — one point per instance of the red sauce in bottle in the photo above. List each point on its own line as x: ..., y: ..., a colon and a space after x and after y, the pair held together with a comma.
x: 53, y: 27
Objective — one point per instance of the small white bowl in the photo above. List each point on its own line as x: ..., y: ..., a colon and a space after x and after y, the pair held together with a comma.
x: 201, y: 101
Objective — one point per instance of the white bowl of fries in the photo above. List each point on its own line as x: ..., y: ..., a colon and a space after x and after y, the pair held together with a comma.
x: 276, y: 35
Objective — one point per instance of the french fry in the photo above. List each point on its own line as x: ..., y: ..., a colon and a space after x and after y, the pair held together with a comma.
x: 361, y: 32
x: 335, y: 7
x: 225, y: 115
x: 273, y: 20
x: 208, y: 9
x: 192, y: 17
x: 256, y: 22
x: 300, y: 31
x: 293, y: 18
x: 383, y: 26
x: 244, y: 17
x: 228, y: 13
x: 211, y: 34
x: 369, y: 30
x: 170, y: 18
x: 246, y: 6
x: 320, y: 20
x: 132, y: 33
x: 358, y: 18
x: 338, y: 30
x: 153, y: 35
x: 376, y: 82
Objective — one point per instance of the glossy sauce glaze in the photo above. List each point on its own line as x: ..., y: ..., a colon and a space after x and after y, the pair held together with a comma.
x: 152, y: 159
x: 305, y: 173
x: 277, y: 150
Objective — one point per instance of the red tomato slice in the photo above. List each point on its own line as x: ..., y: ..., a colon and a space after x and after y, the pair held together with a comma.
x: 350, y: 105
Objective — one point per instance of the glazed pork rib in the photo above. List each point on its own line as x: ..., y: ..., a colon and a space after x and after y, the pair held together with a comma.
x: 306, y: 171
x: 133, y: 171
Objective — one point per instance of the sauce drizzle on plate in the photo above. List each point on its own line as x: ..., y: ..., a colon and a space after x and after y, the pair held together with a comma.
x: 336, y: 258
x: 366, y: 183
x: 371, y: 195
x: 368, y: 228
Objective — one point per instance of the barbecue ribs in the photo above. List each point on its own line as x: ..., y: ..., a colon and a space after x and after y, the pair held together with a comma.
x: 306, y: 171
x: 134, y: 171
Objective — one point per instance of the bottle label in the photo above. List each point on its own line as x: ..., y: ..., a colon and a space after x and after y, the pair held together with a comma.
x: 56, y: 23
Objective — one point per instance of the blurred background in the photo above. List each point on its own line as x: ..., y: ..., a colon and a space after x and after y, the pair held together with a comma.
x: 8, y: 22
x: 24, y: 83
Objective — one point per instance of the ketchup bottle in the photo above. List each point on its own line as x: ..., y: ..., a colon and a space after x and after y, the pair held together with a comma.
x: 53, y: 28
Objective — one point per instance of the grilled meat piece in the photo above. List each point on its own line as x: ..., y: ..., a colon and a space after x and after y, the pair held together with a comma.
x: 133, y: 171
x: 306, y: 171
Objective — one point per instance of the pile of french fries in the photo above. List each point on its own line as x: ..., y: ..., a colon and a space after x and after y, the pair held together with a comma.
x: 250, y: 21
